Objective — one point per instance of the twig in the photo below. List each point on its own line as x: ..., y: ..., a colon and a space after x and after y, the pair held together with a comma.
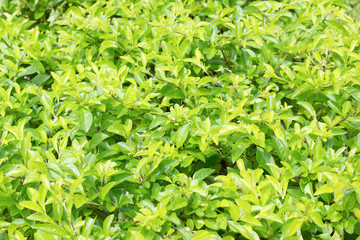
x: 342, y: 120
x: 184, y: 35
x: 277, y: 67
x: 120, y: 101
x: 355, y: 109
x: 226, y: 60
x: 96, y: 57
x: 21, y: 60
x: 153, y: 76
x: 131, y: 142
x: 131, y: 108
x: 117, y: 207
x: 17, y: 177
x: 47, y: 141
x: 257, y: 97
x: 212, y: 22
x: 101, y: 213
x: 200, y: 3
x: 56, y: 110
x: 264, y: 20
x: 69, y: 217
x: 234, y: 93
x: 18, y: 65
x: 241, y: 190
x: 217, y: 83
x: 141, y: 178
x: 55, y: 115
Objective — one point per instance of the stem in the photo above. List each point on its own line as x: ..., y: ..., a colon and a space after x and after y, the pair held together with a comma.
x: 162, y: 80
x: 278, y: 66
x: 226, y: 60
x: 342, y: 120
x: 200, y: 3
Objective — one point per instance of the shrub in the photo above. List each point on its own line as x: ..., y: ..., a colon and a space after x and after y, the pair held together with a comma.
x: 189, y: 119
x: 355, y: 9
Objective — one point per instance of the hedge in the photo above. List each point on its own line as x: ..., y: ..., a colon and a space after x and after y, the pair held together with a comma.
x: 185, y: 119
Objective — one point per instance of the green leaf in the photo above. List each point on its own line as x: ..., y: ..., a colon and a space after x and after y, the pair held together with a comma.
x: 291, y: 227
x: 54, y: 15
x: 107, y: 44
x: 246, y: 231
x: 178, y: 203
x: 117, y: 128
x: 40, y: 79
x: 338, y: 27
x: 85, y: 119
x: 228, y: 130
x: 107, y: 223
x: 203, y: 173
x: 234, y: 211
x: 308, y: 107
x: 258, y: 138
x: 263, y: 157
x: 32, y: 206
x: 53, y: 229
x: 40, y: 218
x: 238, y: 148
x: 6, y: 201
x: 316, y: 217
x: 334, y: 106
x: 47, y: 102
x: 97, y: 139
x: 156, y: 122
x: 203, y: 234
x: 185, y: 233
x: 318, y: 151
x: 79, y: 200
x: 210, y: 223
x: 175, y: 94
x: 357, y: 212
x: 354, y: 92
x: 181, y: 135
x: 342, y: 3
x: 105, y: 190
x: 205, y: 11
x: 121, y: 177
x: 173, y: 218
x: 246, y: 61
x: 302, y: 89
x: 28, y: 71
x: 126, y: 147
x: 172, y: 92
x: 88, y: 226
x: 164, y: 165
x: 327, y: 188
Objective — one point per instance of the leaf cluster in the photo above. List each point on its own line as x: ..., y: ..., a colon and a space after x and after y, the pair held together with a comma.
x: 188, y: 119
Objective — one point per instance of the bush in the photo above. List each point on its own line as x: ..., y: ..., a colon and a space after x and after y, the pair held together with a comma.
x: 189, y: 119
x: 355, y: 9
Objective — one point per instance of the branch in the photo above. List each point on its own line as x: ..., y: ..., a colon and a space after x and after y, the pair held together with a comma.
x: 277, y: 67
x: 217, y: 83
x: 200, y: 3
x: 342, y: 120
x: 311, y: 51
x: 21, y: 60
x: 162, y: 80
x: 55, y: 115
x: 226, y: 60
x: 131, y: 108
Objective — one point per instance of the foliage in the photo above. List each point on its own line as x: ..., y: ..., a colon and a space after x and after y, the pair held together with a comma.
x: 355, y: 9
x: 188, y: 119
